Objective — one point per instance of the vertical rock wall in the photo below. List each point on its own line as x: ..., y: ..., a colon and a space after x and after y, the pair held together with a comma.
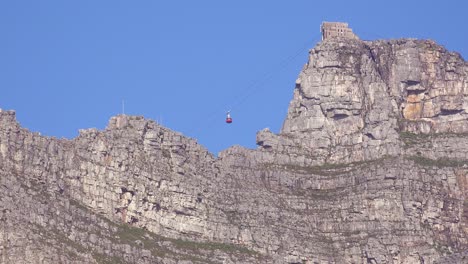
x: 353, y: 98
x: 369, y: 167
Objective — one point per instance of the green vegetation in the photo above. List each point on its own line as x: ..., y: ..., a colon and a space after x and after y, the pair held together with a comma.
x: 442, y: 162
x: 127, y: 234
x: 195, y: 245
x: 130, y: 234
x: 183, y: 249
x: 103, y: 259
x: 78, y: 205
x: 322, y: 194
x: 411, y: 139
x: 55, y: 234
x: 327, y: 169
x: 195, y: 251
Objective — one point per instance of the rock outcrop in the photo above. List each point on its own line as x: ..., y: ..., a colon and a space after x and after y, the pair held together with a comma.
x: 353, y: 98
x: 370, y: 166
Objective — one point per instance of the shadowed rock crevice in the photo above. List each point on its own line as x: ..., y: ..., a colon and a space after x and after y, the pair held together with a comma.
x: 370, y: 166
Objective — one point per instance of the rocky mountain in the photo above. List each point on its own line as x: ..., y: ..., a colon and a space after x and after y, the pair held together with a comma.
x: 370, y: 166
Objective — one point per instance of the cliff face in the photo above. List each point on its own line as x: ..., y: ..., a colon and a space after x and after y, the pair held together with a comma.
x: 353, y: 98
x: 371, y: 166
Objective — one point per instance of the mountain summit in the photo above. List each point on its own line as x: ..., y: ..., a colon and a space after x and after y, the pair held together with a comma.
x: 370, y: 166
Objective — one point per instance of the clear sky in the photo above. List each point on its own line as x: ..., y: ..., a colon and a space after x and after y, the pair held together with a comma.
x: 67, y: 65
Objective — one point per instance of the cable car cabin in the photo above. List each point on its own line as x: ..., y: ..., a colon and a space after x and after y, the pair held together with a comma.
x: 228, y: 118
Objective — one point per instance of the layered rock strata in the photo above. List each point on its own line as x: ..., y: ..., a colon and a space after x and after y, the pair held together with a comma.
x: 371, y: 166
x: 353, y: 98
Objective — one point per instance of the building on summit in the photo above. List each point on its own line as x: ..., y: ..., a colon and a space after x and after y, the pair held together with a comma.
x: 336, y: 30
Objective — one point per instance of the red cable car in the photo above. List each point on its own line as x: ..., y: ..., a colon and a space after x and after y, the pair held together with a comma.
x: 228, y: 118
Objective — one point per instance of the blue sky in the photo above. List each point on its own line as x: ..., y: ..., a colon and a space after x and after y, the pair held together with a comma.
x: 67, y: 65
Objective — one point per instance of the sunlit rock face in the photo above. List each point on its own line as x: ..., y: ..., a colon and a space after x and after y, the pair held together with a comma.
x: 353, y: 98
x: 371, y: 166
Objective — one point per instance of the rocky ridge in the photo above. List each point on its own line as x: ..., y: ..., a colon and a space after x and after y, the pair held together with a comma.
x: 370, y: 166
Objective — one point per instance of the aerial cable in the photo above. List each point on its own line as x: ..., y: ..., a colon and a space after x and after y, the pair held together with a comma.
x: 258, y: 85
x: 253, y: 88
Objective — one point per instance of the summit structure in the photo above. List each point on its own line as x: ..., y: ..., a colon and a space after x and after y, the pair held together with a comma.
x: 336, y: 30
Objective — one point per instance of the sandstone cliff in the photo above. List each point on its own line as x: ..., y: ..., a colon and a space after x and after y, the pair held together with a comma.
x: 371, y: 166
